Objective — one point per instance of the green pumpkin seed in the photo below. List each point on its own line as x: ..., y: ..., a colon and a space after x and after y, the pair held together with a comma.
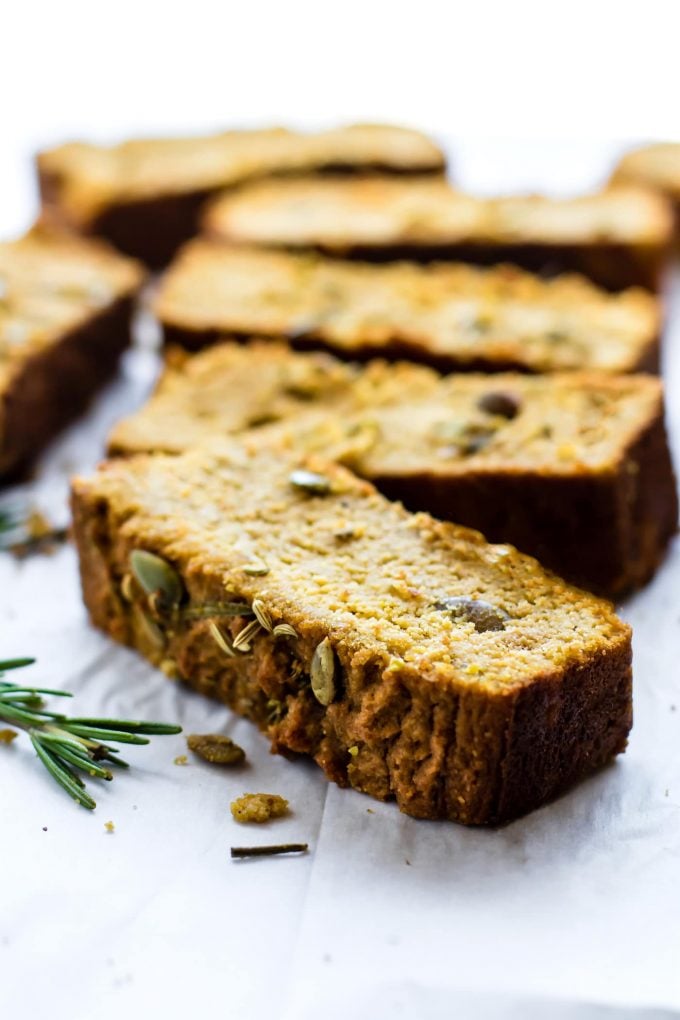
x: 310, y: 482
x: 256, y: 568
x: 484, y: 615
x: 156, y: 575
x: 322, y: 673
x: 500, y: 403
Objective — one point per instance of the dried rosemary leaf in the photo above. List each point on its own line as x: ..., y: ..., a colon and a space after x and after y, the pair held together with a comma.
x: 269, y: 851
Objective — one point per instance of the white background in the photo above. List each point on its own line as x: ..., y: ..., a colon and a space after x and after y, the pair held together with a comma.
x: 579, y: 902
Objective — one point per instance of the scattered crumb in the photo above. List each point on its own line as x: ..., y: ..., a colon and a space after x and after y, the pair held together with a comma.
x: 370, y: 811
x: 672, y: 708
x: 170, y: 668
x: 407, y: 861
x: 181, y: 759
x: 109, y: 826
x: 259, y: 807
x: 666, y: 793
x: 37, y: 525
x: 44, y: 828
x: 7, y: 736
x: 38, y: 536
x: 216, y: 748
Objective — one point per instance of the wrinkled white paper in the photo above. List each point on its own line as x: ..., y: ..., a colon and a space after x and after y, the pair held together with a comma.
x: 386, y: 917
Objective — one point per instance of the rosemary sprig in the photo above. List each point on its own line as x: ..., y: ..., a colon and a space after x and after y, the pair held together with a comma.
x: 67, y: 746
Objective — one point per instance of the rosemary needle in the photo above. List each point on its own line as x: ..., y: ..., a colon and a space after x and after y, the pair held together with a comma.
x: 67, y: 746
x: 269, y: 851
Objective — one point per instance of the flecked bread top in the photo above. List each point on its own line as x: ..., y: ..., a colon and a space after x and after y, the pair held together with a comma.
x: 338, y: 214
x: 501, y: 315
x: 343, y: 561
x: 655, y: 166
x: 395, y: 419
x: 49, y: 285
x: 91, y: 178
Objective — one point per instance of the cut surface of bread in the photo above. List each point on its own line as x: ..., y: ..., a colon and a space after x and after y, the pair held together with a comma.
x: 453, y: 317
x: 145, y: 195
x: 571, y: 467
x: 409, y: 657
x: 619, y: 237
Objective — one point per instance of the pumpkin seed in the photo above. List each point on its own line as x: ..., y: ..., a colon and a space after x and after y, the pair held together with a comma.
x: 505, y: 405
x: 310, y: 482
x: 484, y: 615
x: 156, y: 575
x: 322, y: 673
x: 256, y: 568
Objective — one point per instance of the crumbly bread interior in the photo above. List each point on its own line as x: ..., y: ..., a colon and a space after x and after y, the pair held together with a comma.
x: 349, y: 563
x: 51, y: 284
x: 398, y: 419
x: 501, y: 314
x: 92, y: 177
x: 339, y: 213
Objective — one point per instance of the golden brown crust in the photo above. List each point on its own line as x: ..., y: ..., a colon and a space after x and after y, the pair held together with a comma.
x: 619, y: 237
x: 563, y: 466
x: 653, y: 166
x: 65, y: 310
x: 456, y: 720
x: 453, y: 317
x: 145, y: 195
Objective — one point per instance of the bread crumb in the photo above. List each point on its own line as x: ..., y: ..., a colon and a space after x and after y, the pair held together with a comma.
x: 216, y: 748
x: 259, y: 807
x: 109, y: 826
x: 7, y: 736
x: 181, y: 759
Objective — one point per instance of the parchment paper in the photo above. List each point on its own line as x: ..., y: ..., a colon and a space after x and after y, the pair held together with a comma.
x: 573, y: 911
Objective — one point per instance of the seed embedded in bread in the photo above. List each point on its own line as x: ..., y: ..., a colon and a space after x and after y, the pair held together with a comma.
x: 474, y: 684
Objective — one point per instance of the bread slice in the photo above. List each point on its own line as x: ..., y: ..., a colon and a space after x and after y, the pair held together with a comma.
x: 408, y: 657
x: 453, y: 317
x: 619, y: 237
x: 573, y: 467
x: 145, y: 195
x: 653, y: 166
x: 65, y: 310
